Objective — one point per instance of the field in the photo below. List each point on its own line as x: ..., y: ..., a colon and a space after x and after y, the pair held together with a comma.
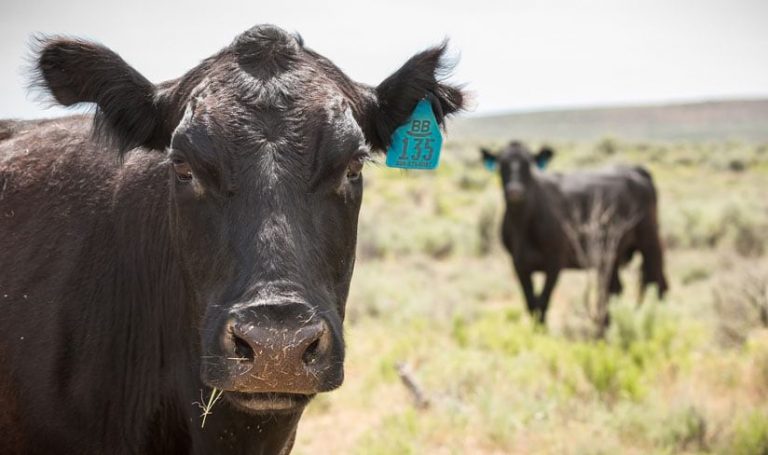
x: 434, y: 290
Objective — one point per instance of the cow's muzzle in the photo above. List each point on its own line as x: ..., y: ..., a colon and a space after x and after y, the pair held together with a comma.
x: 274, y: 357
x: 515, y: 192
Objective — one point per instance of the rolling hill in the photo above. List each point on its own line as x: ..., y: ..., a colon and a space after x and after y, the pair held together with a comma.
x: 742, y: 120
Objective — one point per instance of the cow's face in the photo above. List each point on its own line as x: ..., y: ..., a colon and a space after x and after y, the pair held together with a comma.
x: 517, y: 167
x: 265, y: 146
x: 265, y: 209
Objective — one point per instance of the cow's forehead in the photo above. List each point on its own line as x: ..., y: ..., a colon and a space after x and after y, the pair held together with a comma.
x: 266, y: 90
x: 284, y: 123
x: 272, y: 109
x: 516, y: 155
x: 341, y: 122
x: 516, y: 151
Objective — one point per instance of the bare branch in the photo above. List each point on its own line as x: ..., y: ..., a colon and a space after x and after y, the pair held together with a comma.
x: 409, y: 380
x: 595, y: 238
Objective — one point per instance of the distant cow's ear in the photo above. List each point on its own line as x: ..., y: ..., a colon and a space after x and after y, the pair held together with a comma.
x: 396, y: 97
x: 128, y: 112
x: 544, y: 156
x: 489, y: 159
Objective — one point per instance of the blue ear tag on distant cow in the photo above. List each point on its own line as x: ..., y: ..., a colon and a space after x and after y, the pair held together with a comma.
x: 541, y: 163
x: 489, y: 164
x: 416, y: 143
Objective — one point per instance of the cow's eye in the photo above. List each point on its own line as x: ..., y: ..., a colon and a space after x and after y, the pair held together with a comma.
x: 355, y: 169
x: 182, y: 169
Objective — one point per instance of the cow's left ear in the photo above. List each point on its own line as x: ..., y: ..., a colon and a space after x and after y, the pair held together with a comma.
x: 129, y: 110
x: 489, y: 158
x: 396, y: 97
x: 544, y: 156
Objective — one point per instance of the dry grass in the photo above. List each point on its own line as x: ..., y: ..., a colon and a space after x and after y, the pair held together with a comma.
x: 213, y: 398
x: 433, y: 288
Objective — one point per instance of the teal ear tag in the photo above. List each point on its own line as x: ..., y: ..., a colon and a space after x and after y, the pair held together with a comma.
x: 489, y: 164
x: 416, y: 143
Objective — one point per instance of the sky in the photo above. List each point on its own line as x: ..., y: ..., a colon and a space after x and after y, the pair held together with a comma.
x: 512, y: 55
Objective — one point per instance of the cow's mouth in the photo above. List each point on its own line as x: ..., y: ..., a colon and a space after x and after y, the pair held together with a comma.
x: 268, y: 401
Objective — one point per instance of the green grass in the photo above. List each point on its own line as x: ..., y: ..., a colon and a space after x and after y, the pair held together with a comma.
x: 433, y: 288
x: 750, y: 436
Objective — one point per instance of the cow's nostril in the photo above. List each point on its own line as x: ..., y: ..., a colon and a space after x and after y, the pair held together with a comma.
x: 312, y: 353
x: 243, y: 351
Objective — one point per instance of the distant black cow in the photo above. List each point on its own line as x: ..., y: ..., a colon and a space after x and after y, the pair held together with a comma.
x: 218, y: 255
x: 545, y: 213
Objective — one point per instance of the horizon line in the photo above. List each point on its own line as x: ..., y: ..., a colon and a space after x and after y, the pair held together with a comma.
x: 619, y: 105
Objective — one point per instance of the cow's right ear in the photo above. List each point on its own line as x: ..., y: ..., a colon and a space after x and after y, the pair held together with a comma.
x: 421, y: 77
x: 128, y: 111
x: 489, y: 159
x: 544, y: 156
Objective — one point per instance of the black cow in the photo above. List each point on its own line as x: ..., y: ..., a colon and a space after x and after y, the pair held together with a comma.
x: 218, y: 255
x: 545, y: 213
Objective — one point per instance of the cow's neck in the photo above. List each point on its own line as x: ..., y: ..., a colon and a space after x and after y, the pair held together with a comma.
x: 140, y: 325
x: 229, y: 431
x: 517, y: 216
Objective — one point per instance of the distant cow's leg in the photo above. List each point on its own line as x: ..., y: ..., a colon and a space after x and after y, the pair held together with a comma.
x: 653, y: 262
x: 546, y: 293
x: 614, y: 285
x: 527, y: 284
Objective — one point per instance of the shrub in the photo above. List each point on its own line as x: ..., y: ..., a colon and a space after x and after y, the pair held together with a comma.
x: 610, y: 371
x: 750, y: 436
x: 396, y: 434
x: 608, y: 146
x: 684, y: 429
x: 757, y: 351
x: 486, y: 228
x: 695, y: 274
x: 741, y: 302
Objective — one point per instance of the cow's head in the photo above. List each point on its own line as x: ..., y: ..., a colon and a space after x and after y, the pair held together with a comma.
x: 515, y: 163
x: 265, y: 144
